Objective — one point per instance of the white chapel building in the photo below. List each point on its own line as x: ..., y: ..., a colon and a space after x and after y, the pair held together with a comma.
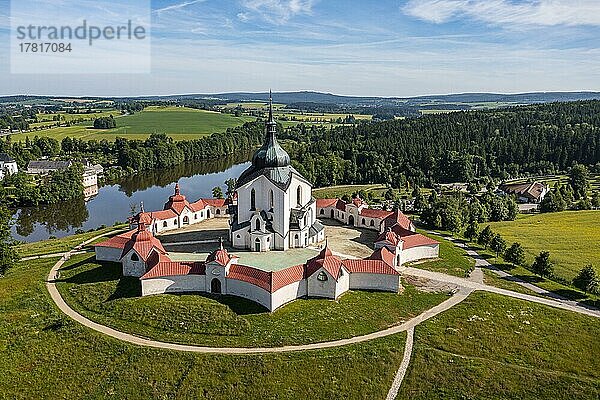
x: 275, y: 208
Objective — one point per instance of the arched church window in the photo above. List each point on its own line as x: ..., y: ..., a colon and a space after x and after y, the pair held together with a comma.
x: 253, y: 200
x: 165, y: 224
x: 218, y: 211
x: 372, y: 223
x: 322, y: 211
x: 322, y: 277
x: 299, y: 195
x: 271, y: 200
x: 258, y: 224
x: 134, y: 257
x: 364, y: 222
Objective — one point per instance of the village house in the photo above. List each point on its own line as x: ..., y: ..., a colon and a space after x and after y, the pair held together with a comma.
x: 8, y: 166
x: 529, y: 192
x: 43, y: 167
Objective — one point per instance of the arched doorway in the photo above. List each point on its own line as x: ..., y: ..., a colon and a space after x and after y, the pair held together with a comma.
x: 257, y: 246
x: 332, y: 214
x: 351, y: 220
x: 186, y: 220
x: 215, y: 286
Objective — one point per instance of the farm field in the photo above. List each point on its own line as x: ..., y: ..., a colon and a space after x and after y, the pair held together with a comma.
x: 46, y: 119
x: 571, y: 237
x: 494, y: 347
x: 177, y: 122
x: 98, y: 291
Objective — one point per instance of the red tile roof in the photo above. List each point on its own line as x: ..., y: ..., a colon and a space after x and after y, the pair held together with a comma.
x: 383, y: 254
x: 388, y: 236
x: 325, y: 260
x: 280, y: 279
x: 162, y: 215
x: 171, y: 268
x: 398, y: 218
x: 143, y: 243
x: 369, y: 267
x: 417, y: 240
x: 117, y: 242
x: 251, y: 275
x: 340, y: 205
x: 215, y: 202
x: 221, y: 256
x: 357, y: 201
x: 197, y: 206
x: 371, y: 213
x: 323, y: 203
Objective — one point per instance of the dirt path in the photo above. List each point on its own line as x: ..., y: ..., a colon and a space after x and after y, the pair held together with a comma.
x: 410, y: 335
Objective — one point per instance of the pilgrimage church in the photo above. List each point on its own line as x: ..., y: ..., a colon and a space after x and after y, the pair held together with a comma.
x: 273, y: 219
x: 275, y: 208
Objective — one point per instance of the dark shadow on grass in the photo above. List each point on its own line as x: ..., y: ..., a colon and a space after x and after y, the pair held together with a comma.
x: 103, y: 273
x: 128, y: 287
x: 238, y: 305
x: 570, y: 294
x: 530, y: 278
x: 78, y: 264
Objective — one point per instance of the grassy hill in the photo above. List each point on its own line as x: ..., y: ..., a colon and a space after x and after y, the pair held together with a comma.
x: 177, y: 122
x: 572, y: 238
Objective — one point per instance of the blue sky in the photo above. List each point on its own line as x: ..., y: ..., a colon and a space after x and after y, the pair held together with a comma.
x: 383, y: 47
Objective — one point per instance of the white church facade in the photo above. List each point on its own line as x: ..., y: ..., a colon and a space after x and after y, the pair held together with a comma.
x: 275, y: 209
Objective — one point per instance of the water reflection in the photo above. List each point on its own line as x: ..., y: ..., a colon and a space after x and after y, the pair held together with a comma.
x: 113, y: 202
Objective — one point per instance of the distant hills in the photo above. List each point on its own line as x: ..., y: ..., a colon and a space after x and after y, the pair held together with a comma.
x: 318, y: 97
x: 468, y: 100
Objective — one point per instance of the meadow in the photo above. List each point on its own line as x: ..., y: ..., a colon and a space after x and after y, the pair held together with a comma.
x: 44, y: 354
x: 487, y: 347
x: 177, y: 122
x: 98, y: 291
x: 494, y: 347
x: 571, y: 237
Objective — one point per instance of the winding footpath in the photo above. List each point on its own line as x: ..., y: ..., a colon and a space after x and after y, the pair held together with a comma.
x: 465, y: 287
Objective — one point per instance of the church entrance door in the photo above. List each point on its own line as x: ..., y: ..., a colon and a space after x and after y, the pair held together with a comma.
x: 215, y: 286
x: 257, y: 245
x: 351, y: 220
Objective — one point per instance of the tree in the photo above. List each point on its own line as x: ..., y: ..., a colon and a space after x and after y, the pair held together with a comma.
x: 579, y: 179
x: 587, y: 280
x: 542, y: 265
x: 472, y: 231
x: 596, y: 199
x: 105, y: 123
x: 8, y: 256
x: 231, y: 185
x: 217, y: 192
x: 485, y: 237
x: 515, y: 254
x: 498, y: 244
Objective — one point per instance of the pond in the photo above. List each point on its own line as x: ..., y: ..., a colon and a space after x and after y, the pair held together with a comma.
x: 114, y: 202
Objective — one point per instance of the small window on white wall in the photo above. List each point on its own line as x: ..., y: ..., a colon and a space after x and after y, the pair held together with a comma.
x: 271, y: 200
x: 299, y: 195
x: 253, y: 200
x: 165, y: 224
x: 322, y: 277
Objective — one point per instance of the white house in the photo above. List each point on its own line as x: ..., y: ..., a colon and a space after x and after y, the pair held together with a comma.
x: 8, y: 166
x: 178, y: 213
x: 275, y: 209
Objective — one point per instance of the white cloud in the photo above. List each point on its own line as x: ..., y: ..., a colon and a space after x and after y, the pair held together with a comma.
x: 277, y: 11
x: 505, y: 12
x: 178, y: 6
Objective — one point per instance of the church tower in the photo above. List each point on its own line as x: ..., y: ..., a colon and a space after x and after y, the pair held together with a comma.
x: 275, y: 209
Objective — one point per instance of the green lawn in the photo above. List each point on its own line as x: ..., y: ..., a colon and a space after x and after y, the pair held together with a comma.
x: 453, y: 260
x: 178, y: 122
x: 98, y: 291
x: 45, y: 355
x: 572, y: 238
x: 335, y: 192
x: 494, y: 347
x: 53, y: 246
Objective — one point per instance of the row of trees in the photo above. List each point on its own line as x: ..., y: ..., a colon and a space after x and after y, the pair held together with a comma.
x: 456, y: 213
x: 456, y: 147
x: 586, y: 280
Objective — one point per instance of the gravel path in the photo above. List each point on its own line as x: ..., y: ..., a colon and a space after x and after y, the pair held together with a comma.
x: 410, y: 335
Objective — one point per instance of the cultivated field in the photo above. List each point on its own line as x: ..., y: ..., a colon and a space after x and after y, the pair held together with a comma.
x: 177, y: 122
x: 572, y: 238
